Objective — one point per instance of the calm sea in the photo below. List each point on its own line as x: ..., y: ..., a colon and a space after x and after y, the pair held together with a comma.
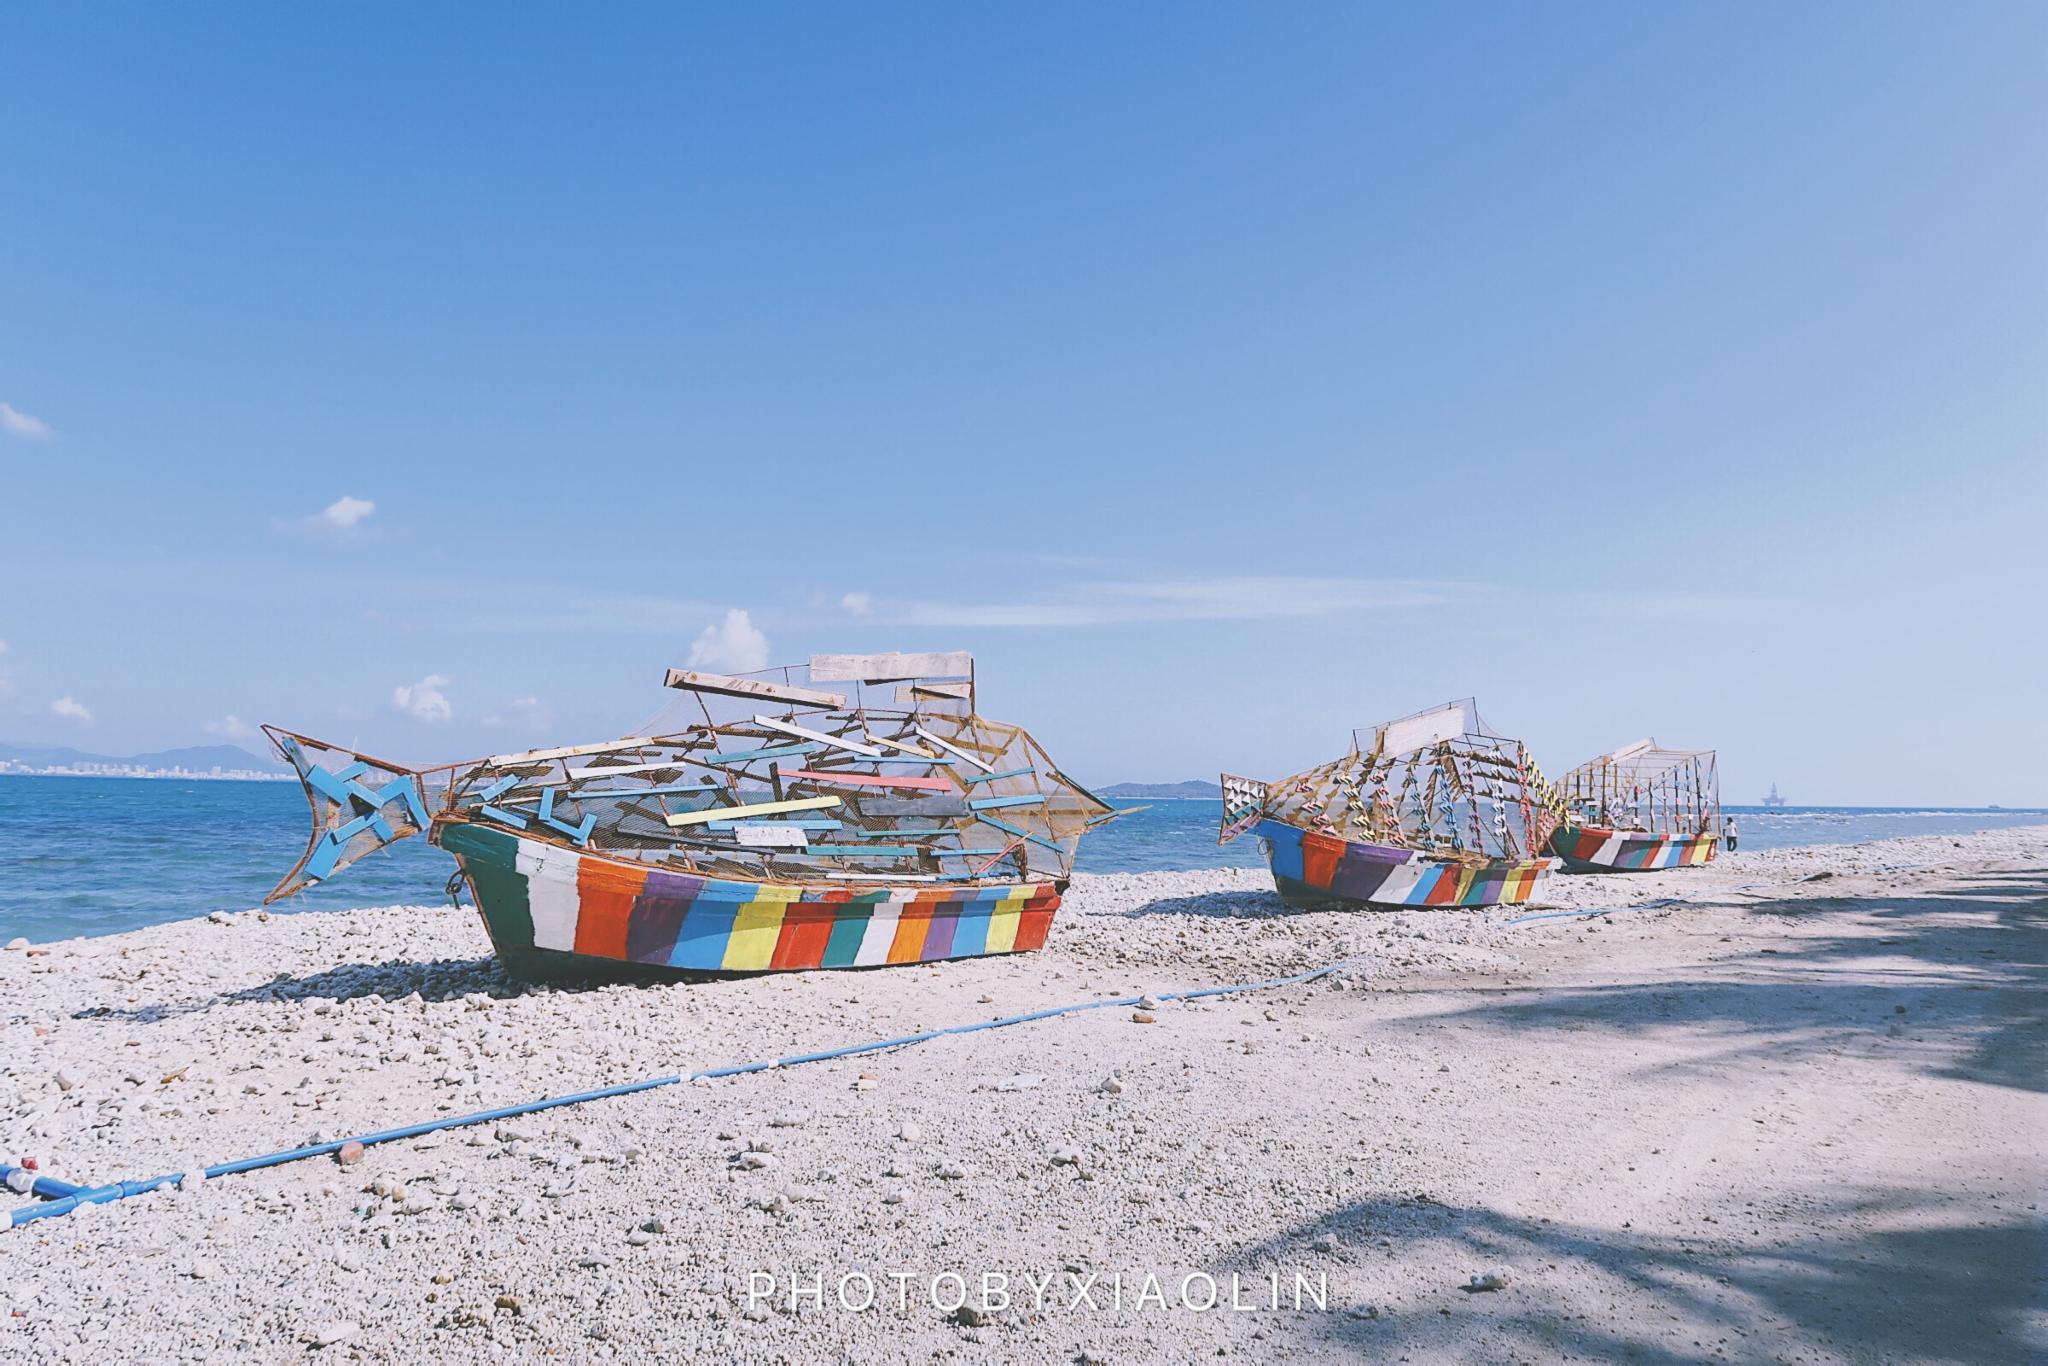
x: 101, y: 855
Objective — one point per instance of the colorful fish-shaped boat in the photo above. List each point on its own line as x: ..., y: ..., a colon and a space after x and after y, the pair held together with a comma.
x: 1640, y: 809
x: 1430, y: 810
x: 814, y: 828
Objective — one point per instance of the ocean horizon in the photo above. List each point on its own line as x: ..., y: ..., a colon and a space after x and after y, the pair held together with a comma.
x: 93, y: 856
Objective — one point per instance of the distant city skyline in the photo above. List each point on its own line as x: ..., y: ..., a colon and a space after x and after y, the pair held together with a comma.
x: 1222, y: 378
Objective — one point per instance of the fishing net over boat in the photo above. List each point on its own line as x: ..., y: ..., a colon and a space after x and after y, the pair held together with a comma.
x: 1646, y: 787
x: 1440, y: 781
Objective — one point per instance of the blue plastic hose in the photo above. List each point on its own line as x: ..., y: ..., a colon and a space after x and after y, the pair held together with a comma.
x: 63, y: 1197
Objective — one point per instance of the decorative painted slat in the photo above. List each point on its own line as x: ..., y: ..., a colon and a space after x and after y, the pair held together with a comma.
x: 534, y: 756
x: 1006, y: 773
x: 955, y: 750
x: 898, y: 834
x: 770, y: 836
x: 865, y: 850
x: 884, y: 877
x: 900, y: 746
x: 662, y: 791
x: 971, y: 853
x: 725, y: 685
x: 890, y: 666
x: 747, y: 756
x: 835, y: 741
x: 910, y: 694
x: 584, y: 775
x: 998, y: 803
x: 928, y: 760
x: 726, y: 813
x: 938, y: 806
x: 1010, y: 829
x: 804, y: 775
x: 728, y: 826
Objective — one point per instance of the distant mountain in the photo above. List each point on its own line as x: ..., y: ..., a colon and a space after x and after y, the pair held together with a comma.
x: 197, y: 758
x: 1194, y: 788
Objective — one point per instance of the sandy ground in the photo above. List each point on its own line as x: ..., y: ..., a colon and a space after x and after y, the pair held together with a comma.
x: 1797, y: 1115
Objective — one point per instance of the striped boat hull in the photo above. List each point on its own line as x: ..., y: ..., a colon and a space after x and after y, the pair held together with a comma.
x: 1585, y: 849
x: 1316, y: 868
x: 552, y: 911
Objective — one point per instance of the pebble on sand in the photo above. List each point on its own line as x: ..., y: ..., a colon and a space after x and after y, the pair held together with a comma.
x: 350, y: 1154
x: 1496, y: 1279
x: 327, y: 1334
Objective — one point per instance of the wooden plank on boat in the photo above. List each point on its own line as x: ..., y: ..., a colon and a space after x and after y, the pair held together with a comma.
x: 884, y: 877
x: 725, y: 685
x: 805, y: 775
x: 766, y: 836
x: 900, y: 746
x: 865, y: 850
x: 798, y: 824
x: 938, y: 806
x: 589, y: 794
x: 914, y: 693
x: 900, y: 833
x: 747, y: 756
x: 726, y: 813
x: 996, y: 777
x: 534, y: 756
x: 890, y: 666
x: 998, y: 803
x: 836, y: 741
x: 1009, y: 829
x: 584, y: 775
x: 955, y: 750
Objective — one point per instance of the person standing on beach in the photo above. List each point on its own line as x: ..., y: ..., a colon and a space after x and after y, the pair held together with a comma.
x: 1728, y: 833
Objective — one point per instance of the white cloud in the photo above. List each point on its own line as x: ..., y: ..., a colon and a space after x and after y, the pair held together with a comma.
x: 71, y: 709
x: 424, y: 700
x: 1224, y: 598
x: 860, y: 604
x: 733, y: 645
x: 520, y: 711
x: 17, y: 423
x: 3, y: 647
x: 229, y: 727
x: 344, y: 512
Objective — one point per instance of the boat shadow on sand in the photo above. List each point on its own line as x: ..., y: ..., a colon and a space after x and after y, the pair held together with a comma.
x: 1265, y: 905
x: 442, y: 979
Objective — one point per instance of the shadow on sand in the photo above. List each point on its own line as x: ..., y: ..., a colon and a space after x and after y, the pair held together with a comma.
x: 1955, y: 981
x: 1937, y: 1290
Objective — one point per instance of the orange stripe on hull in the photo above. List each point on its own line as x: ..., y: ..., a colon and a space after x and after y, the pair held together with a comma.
x: 806, y: 930
x: 911, y: 926
x: 1034, y: 923
x: 605, y: 892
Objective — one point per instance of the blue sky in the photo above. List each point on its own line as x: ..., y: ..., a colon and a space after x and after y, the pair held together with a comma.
x: 1223, y: 376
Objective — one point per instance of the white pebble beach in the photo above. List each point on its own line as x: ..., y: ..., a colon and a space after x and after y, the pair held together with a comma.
x: 1798, y: 1112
